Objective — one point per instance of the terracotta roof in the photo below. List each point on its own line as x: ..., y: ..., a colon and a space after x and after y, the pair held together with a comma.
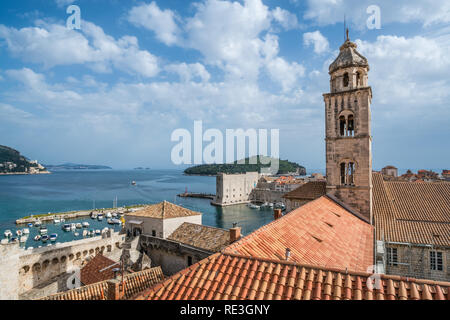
x: 320, y: 233
x: 134, y: 283
x: 309, y: 191
x: 98, y: 269
x: 412, y: 212
x: 227, y: 277
x: 163, y: 210
x: 200, y: 236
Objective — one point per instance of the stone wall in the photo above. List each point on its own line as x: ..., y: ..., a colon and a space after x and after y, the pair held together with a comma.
x: 415, y: 262
x: 234, y: 188
x: 172, y: 256
x: 36, y: 267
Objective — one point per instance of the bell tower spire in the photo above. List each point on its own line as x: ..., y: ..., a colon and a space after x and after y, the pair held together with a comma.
x: 348, y: 133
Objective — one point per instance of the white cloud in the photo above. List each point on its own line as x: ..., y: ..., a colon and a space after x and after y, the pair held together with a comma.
x: 162, y: 22
x: 287, y: 19
x: 53, y: 45
x: 426, y: 12
x: 188, y: 72
x: 316, y: 39
x: 62, y: 3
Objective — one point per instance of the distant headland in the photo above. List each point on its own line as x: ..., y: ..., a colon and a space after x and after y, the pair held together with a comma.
x: 12, y: 162
x: 76, y: 166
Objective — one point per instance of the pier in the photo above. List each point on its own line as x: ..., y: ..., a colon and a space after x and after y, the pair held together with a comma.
x: 197, y: 195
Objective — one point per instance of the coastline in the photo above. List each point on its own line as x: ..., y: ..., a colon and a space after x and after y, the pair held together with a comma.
x: 22, y: 173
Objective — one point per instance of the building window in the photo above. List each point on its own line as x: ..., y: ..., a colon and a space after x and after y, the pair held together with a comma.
x: 436, y: 261
x: 345, y: 80
x: 189, y: 260
x: 358, y: 79
x: 392, y: 256
x: 347, y: 173
x: 153, y: 233
x: 347, y: 126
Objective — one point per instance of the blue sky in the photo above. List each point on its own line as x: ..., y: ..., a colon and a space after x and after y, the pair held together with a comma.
x: 112, y: 92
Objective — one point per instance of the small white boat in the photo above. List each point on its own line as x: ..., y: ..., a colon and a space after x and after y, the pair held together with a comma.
x: 116, y: 221
x: 253, y: 206
x: 4, y: 241
x: 91, y: 233
x: 37, y: 238
x: 98, y: 232
x: 66, y: 227
x: 23, y: 239
x: 18, y: 233
x: 108, y: 215
x: 26, y: 231
x: 85, y: 233
x: 104, y: 230
x: 114, y: 215
x: 73, y: 226
x: 85, y: 224
x: 30, y: 225
x: 8, y: 233
x: 37, y: 223
x: 79, y: 225
x: 133, y: 183
x: 76, y: 234
x: 56, y: 220
x: 110, y: 221
x: 14, y: 240
x: 53, y: 237
x: 93, y: 215
x: 100, y: 217
x: 43, y: 230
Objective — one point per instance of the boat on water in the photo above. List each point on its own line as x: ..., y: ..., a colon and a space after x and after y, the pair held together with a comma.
x: 18, y: 233
x: 66, y: 227
x: 79, y: 225
x: 14, y: 240
x: 43, y: 230
x: 100, y: 217
x: 23, y: 239
x: 105, y: 229
x: 30, y: 225
x: 116, y: 221
x: 93, y: 215
x: 91, y: 233
x: 56, y: 220
x: 85, y: 233
x: 53, y: 236
x: 73, y: 226
x: 37, y: 223
x: 26, y: 231
x: 4, y: 241
x: 76, y: 234
x: 37, y: 238
x: 280, y: 205
x: 114, y: 215
x: 98, y: 232
x: 8, y: 233
x: 85, y: 224
x: 253, y: 206
x: 133, y: 183
x: 110, y: 221
x: 108, y: 215
x: 44, y: 238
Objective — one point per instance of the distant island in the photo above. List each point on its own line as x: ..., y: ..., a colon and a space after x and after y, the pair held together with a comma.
x: 285, y: 167
x: 12, y: 162
x: 76, y: 166
x: 141, y: 168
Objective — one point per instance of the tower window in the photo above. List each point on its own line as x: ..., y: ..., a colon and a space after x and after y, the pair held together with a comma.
x: 347, y: 173
x: 358, y: 79
x: 345, y: 80
x: 346, y: 126
x: 342, y: 125
x: 350, y: 128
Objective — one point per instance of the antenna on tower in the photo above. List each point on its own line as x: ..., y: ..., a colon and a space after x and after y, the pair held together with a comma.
x: 345, y: 27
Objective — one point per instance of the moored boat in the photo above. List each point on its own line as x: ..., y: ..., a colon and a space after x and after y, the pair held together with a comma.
x: 110, y: 221
x: 116, y: 221
x: 30, y: 225
x: 53, y: 236
x: 43, y: 230
x: 73, y: 226
x: 100, y: 217
x: 44, y: 238
x: 37, y: 238
x: 253, y: 206
x: 56, y: 220
x: 85, y: 233
x: 98, y: 232
x: 76, y: 234
x: 37, y: 223
x: 23, y: 239
x: 108, y: 215
x: 18, y: 233
x: 8, y: 233
x: 79, y: 225
x: 14, y: 239
x: 85, y: 224
x: 66, y: 227
x: 26, y: 231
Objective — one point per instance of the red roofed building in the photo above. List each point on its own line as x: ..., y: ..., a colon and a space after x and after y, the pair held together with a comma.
x: 321, y: 233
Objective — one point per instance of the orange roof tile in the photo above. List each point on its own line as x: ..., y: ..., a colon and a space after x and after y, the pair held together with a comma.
x: 98, y: 269
x: 320, y: 233
x: 163, y: 210
x: 228, y: 276
x: 134, y: 283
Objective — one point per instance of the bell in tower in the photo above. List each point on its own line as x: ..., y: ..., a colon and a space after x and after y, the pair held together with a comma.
x: 348, y: 134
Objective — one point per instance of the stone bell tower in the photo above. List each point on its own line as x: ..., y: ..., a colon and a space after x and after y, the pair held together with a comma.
x: 347, y: 136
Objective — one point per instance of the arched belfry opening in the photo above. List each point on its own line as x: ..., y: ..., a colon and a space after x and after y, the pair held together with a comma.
x: 348, y: 136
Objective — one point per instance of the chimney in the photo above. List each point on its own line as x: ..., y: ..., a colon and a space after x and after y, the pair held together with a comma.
x: 288, y: 254
x: 113, y: 290
x: 277, y: 214
x: 235, y: 234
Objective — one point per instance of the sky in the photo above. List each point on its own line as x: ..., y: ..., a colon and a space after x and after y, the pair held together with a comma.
x: 113, y: 91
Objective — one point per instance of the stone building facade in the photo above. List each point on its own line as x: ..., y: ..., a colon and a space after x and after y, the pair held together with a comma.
x: 348, y: 139
x: 234, y: 188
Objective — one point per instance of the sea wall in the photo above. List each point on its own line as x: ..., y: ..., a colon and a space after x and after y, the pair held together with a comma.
x: 22, y: 270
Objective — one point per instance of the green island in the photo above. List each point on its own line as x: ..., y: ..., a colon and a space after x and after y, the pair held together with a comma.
x: 285, y: 167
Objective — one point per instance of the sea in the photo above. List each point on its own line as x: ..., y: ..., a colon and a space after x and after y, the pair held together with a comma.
x: 61, y: 191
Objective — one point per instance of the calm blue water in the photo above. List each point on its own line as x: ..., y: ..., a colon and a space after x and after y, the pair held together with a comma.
x: 61, y: 191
